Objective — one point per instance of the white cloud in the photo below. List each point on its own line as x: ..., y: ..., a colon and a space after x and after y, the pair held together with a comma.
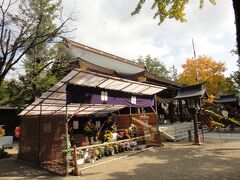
x: 108, y: 25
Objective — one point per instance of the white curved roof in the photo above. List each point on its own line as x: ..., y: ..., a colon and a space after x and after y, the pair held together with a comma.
x: 103, y: 59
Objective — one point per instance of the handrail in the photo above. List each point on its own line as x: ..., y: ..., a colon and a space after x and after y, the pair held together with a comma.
x: 108, y: 143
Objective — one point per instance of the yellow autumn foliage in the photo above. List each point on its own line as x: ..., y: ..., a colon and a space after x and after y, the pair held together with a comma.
x: 209, y: 71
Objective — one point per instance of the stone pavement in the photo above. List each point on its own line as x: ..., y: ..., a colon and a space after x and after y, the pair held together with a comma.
x: 215, y: 159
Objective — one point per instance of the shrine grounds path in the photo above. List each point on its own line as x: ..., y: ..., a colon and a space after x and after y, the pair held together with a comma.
x: 217, y: 159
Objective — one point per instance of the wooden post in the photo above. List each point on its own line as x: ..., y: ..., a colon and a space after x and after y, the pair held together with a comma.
x: 170, y: 109
x: 75, y: 171
x: 66, y: 134
x: 197, y: 140
x: 39, y: 133
x: 158, y: 136
x: 181, y: 110
x: 189, y: 135
x: 155, y: 100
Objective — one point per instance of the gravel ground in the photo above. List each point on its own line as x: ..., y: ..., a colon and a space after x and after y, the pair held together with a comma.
x: 216, y: 159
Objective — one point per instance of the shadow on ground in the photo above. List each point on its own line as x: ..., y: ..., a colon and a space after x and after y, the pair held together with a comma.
x: 181, y: 160
x: 10, y: 168
x: 186, y: 162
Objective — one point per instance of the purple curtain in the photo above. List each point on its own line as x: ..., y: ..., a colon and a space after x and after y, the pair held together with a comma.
x: 94, y: 95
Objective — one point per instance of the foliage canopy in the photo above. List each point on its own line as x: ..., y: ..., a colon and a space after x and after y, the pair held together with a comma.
x: 168, y: 9
x: 157, y: 67
x: 26, y: 29
x: 209, y: 71
x: 28, y: 36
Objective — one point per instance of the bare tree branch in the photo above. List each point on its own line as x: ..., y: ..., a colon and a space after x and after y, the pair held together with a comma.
x: 20, y: 34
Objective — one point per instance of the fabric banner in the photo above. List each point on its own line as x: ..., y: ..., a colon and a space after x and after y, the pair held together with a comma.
x: 95, y: 95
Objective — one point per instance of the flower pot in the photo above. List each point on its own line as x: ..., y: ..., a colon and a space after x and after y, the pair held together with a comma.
x: 80, y: 161
x: 112, y: 152
x: 107, y: 153
x: 100, y: 156
x: 92, y: 159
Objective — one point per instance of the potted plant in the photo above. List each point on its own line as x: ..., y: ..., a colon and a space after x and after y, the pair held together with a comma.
x: 116, y: 148
x: 126, y: 146
x: 89, y: 156
x: 106, y: 151
x: 90, y: 131
x: 101, y: 152
x: 95, y: 153
x: 107, y: 136
x: 2, y: 132
x: 80, y: 158
x: 133, y: 145
x: 132, y: 131
x: 120, y: 147
x: 111, y: 150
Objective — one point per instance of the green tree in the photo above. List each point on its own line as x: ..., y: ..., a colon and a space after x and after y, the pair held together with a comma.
x: 227, y: 86
x: 173, y: 73
x: 154, y: 66
x: 42, y: 55
x: 175, y: 9
x: 17, y: 93
x: 10, y: 90
x: 37, y: 58
x: 26, y: 29
x: 209, y: 71
x: 166, y: 9
x: 3, y: 93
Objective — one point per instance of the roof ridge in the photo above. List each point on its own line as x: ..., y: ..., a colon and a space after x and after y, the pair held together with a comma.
x: 100, y: 52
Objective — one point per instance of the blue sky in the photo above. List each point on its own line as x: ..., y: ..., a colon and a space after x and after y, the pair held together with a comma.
x: 108, y: 25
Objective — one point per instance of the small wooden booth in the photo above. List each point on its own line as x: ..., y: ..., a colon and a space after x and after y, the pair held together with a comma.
x: 81, y: 95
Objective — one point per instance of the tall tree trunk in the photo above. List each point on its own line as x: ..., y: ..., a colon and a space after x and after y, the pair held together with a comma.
x: 236, y: 7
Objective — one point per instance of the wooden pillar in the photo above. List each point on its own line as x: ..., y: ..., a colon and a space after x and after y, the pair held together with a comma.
x: 170, y: 109
x: 181, y: 110
x: 39, y: 132
x: 76, y: 170
x: 67, y: 139
x: 155, y: 102
x: 158, y: 135
x: 197, y: 140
